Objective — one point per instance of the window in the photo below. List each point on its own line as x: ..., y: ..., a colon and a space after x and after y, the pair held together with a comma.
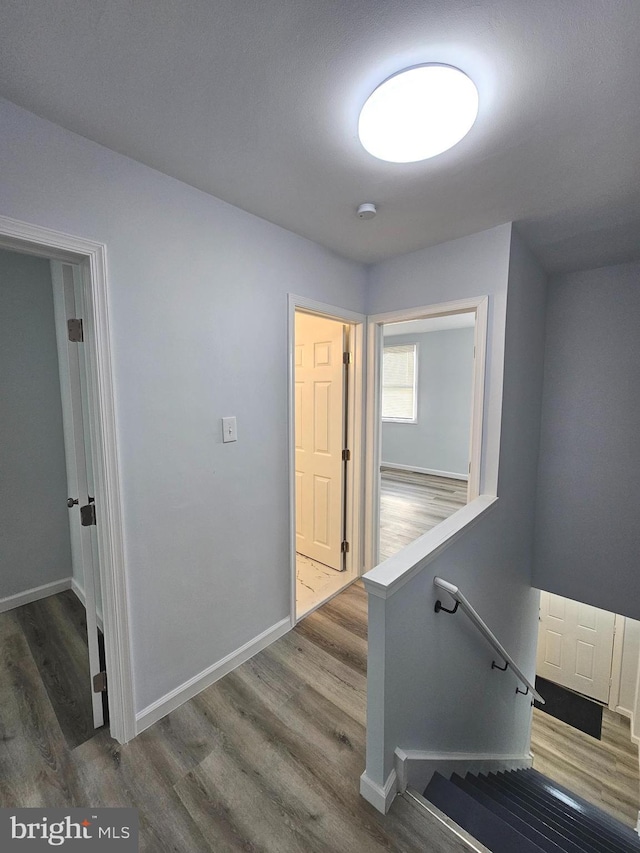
x: 399, y: 390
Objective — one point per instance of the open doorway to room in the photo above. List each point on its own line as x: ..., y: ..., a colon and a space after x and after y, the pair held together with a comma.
x: 63, y: 608
x: 49, y: 588
x: 426, y: 380
x: 426, y: 395
x: 586, y: 735
x: 326, y: 394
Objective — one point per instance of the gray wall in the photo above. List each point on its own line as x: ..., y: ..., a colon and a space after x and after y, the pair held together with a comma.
x: 475, y: 266
x: 198, y: 308
x: 588, y: 538
x: 464, y: 706
x: 439, y: 441
x: 35, y: 547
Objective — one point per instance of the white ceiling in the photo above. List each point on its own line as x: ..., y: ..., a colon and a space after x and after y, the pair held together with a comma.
x: 256, y: 102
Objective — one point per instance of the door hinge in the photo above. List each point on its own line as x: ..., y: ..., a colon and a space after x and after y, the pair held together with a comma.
x: 346, y: 455
x: 346, y: 358
x: 76, y: 332
x: 88, y: 515
x: 344, y: 547
x: 100, y: 682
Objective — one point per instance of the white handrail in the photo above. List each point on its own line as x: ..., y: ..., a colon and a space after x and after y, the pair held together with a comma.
x: 487, y: 633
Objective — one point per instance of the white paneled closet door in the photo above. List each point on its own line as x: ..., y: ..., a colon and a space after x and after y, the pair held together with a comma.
x: 319, y: 434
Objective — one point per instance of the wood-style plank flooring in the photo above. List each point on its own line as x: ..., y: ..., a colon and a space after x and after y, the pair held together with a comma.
x: 52, y: 635
x: 605, y: 772
x: 412, y: 503
x: 266, y: 759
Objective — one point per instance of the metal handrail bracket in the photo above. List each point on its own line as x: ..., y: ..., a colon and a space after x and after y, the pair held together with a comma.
x: 486, y: 632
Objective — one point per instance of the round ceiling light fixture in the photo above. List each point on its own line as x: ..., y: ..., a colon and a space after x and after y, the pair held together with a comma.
x: 418, y: 113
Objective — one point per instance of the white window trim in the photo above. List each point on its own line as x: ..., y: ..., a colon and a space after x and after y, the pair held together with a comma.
x: 414, y: 419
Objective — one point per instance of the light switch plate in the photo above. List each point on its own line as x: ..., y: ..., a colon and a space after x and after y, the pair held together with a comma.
x: 229, y: 429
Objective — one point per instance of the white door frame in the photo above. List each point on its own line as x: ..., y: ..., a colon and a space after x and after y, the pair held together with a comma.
x: 355, y: 432
x: 479, y: 306
x: 616, y: 668
x: 44, y: 242
x: 77, y: 441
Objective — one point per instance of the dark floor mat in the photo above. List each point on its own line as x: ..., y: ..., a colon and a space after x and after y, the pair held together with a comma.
x: 570, y: 707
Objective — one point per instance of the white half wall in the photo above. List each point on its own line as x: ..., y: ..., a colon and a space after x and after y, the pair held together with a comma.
x: 197, y: 295
x: 430, y: 684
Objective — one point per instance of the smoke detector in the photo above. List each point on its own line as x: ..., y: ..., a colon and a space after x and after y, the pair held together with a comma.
x: 367, y: 210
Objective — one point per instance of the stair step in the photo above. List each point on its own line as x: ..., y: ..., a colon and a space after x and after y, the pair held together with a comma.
x: 524, y: 811
x: 586, y: 815
x: 560, y: 812
x: 478, y: 820
x: 519, y: 819
x: 586, y: 808
x: 545, y: 817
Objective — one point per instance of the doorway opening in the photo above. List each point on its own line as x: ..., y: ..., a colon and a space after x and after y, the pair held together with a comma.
x: 47, y: 580
x: 64, y: 604
x: 326, y: 418
x: 426, y: 379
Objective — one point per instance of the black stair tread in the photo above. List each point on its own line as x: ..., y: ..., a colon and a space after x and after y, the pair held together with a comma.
x: 560, y: 813
x: 541, y: 818
x: 605, y: 824
x: 587, y: 808
x: 544, y: 836
x: 479, y: 821
x: 567, y: 828
x: 587, y: 812
x: 563, y: 811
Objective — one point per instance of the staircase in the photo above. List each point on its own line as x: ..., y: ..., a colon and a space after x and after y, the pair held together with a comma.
x: 522, y: 811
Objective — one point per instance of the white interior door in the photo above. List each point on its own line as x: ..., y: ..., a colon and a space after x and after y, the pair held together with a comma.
x: 319, y: 434
x: 67, y: 292
x: 575, y: 645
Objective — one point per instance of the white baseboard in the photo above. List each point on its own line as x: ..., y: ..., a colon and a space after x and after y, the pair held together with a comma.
x: 75, y: 586
x: 628, y: 713
x: 414, y: 768
x: 452, y: 475
x: 34, y: 594
x: 624, y: 712
x: 379, y: 797
x: 172, y: 700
